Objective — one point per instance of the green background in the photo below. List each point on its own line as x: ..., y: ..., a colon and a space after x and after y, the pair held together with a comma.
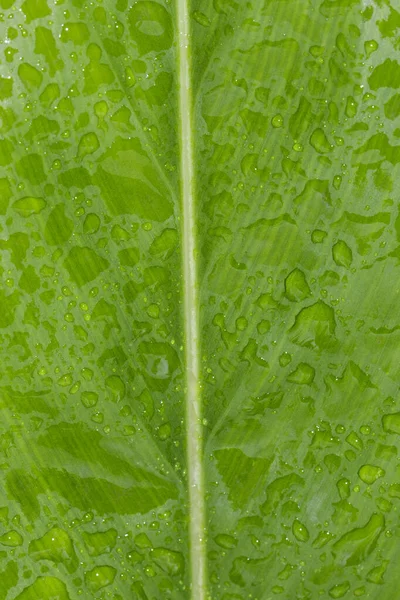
x: 296, y: 141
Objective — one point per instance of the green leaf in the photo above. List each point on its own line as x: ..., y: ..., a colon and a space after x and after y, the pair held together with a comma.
x: 199, y: 315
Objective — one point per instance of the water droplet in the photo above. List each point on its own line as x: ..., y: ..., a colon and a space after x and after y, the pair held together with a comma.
x: 370, y: 46
x: 303, y: 374
x: 319, y: 141
x: 300, y: 531
x: 91, y: 223
x: 296, y: 286
x: 351, y: 107
x: 343, y: 486
x: 164, y: 431
x: 88, y: 144
x: 56, y: 546
x: 12, y: 539
x: 201, y: 18
x: 318, y: 236
x: 142, y: 541
x: 391, y: 423
x: 78, y: 33
x: 342, y: 254
x: 65, y: 380
x: 370, y: 473
x: 100, y: 542
x: 169, y: 561
x: 130, y: 78
x: 225, y: 541
x: 100, y: 577
x: 277, y: 121
x: 354, y: 441
x: 89, y: 399
x: 354, y: 546
x: 339, y: 590
x: 285, y: 359
x: 29, y: 205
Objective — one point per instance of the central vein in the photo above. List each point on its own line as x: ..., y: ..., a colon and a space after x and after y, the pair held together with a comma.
x: 193, y: 400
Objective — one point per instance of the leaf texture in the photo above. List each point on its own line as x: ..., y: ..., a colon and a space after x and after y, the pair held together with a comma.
x: 233, y: 166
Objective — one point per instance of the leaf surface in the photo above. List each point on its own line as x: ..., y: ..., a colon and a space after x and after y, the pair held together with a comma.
x: 199, y: 319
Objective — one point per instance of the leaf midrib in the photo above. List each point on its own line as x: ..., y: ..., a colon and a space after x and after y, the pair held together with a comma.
x: 194, y: 446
